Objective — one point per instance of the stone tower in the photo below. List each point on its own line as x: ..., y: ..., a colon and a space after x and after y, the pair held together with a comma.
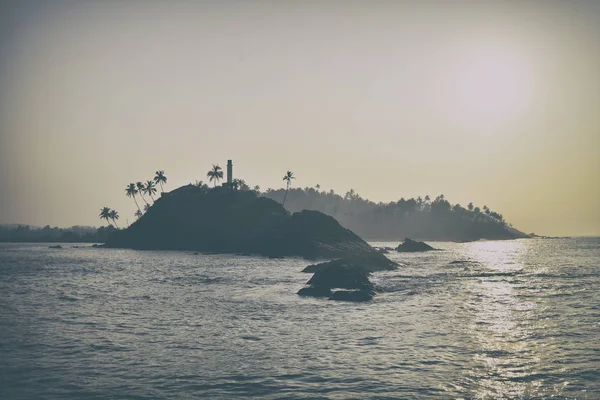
x: 229, y: 172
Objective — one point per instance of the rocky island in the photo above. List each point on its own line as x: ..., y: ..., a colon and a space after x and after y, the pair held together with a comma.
x: 222, y: 220
x: 412, y: 246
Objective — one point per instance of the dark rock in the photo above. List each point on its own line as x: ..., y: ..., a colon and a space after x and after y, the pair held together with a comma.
x: 346, y: 273
x: 352, y: 295
x: 410, y: 246
x: 341, y: 276
x: 315, y: 291
x: 225, y: 221
x: 58, y: 246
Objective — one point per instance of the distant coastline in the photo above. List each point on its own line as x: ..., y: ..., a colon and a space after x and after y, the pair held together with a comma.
x: 15, y: 233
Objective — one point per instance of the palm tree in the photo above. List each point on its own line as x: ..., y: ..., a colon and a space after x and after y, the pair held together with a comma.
x: 160, y: 178
x: 146, y: 207
x: 215, y: 174
x: 141, y: 188
x: 257, y: 189
x: 149, y: 189
x: 114, y: 215
x: 105, y: 214
x: 131, y: 191
x: 470, y: 206
x: 317, y: 186
x: 240, y: 184
x: 139, y: 214
x: 288, y: 178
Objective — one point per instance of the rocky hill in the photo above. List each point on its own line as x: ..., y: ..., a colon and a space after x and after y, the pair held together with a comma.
x: 224, y: 221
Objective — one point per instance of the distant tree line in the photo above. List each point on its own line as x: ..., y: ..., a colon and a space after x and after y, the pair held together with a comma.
x: 420, y: 218
x: 75, y: 234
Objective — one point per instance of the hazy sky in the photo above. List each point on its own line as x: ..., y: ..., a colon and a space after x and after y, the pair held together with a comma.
x: 492, y: 102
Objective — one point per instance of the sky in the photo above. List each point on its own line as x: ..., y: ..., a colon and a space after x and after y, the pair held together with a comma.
x: 497, y: 103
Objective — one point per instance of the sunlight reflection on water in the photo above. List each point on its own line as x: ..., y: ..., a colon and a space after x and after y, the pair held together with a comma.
x: 514, y: 319
x: 499, y: 255
x: 502, y: 326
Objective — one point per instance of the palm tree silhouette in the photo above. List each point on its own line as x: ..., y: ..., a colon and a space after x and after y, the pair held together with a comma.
x: 141, y: 189
x: 470, y: 206
x: 114, y: 215
x: 149, y: 189
x: 139, y: 214
x: 146, y: 207
x: 288, y: 178
x: 105, y: 214
x: 215, y: 174
x: 160, y: 178
x: 131, y: 191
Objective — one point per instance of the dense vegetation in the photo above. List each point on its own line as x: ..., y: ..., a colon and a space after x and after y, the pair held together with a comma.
x: 420, y: 218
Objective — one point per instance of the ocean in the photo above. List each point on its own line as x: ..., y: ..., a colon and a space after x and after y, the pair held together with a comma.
x: 482, y: 320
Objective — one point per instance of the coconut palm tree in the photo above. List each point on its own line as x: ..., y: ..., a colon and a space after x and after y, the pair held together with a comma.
x: 139, y: 214
x: 470, y: 206
x: 114, y: 215
x: 288, y: 178
x: 420, y: 202
x: 159, y: 179
x: 131, y: 191
x: 105, y: 214
x: 150, y: 189
x: 215, y: 174
x: 141, y: 188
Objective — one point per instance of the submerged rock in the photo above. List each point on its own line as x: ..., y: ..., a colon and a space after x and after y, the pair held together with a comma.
x: 371, y: 262
x: 58, y: 246
x: 352, y: 295
x: 383, y: 250
x: 410, y: 246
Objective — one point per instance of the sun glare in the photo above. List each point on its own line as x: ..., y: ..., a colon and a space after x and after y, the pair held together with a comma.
x: 492, y: 84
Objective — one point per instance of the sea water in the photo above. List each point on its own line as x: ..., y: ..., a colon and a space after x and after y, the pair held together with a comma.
x: 497, y: 319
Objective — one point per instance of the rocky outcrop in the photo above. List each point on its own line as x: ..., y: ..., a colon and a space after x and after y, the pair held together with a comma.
x: 410, y: 246
x: 350, y: 273
x: 224, y: 221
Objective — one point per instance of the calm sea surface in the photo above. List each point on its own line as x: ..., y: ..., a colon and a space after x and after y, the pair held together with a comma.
x: 505, y: 319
